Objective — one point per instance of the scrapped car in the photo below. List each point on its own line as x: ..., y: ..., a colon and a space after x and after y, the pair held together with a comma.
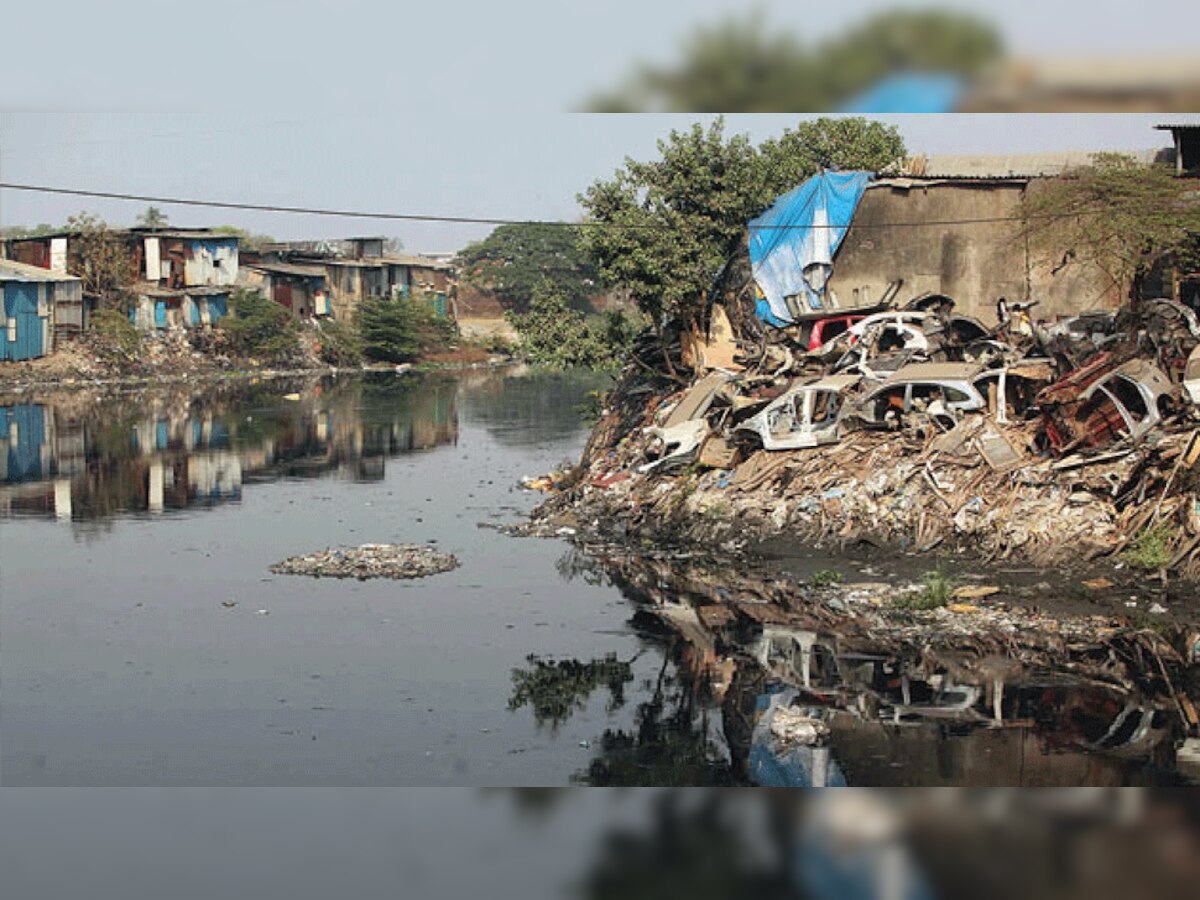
x: 807, y: 415
x: 1191, y: 377
x: 943, y: 391
x: 1118, y: 403
x: 825, y: 330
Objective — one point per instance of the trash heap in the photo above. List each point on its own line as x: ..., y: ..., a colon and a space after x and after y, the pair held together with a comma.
x: 397, y: 561
x: 908, y: 426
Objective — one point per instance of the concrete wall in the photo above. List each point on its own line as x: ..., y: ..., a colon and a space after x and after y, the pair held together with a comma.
x: 974, y: 262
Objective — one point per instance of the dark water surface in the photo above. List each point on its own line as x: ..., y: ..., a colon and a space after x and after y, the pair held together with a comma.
x: 145, y: 642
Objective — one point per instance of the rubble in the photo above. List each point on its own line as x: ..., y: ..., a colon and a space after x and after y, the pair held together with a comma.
x: 1030, y: 452
x: 369, y: 561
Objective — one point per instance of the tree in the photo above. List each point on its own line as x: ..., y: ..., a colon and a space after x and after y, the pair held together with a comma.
x: 514, y: 260
x: 100, y: 260
x: 744, y: 65
x: 662, y: 230
x: 153, y: 217
x: 1117, y: 214
x: 554, y: 335
x: 398, y: 331
x: 23, y: 231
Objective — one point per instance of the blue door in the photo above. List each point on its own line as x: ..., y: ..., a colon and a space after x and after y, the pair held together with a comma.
x: 23, y: 336
x: 160, y: 313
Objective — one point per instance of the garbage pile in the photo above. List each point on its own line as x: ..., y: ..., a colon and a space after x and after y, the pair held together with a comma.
x: 369, y: 561
x: 911, y: 426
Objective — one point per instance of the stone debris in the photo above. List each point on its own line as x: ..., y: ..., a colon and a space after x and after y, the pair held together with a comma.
x: 796, y: 727
x: 370, y: 561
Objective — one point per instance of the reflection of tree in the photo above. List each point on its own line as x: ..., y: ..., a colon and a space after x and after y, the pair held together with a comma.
x: 556, y: 689
x: 576, y: 564
x: 536, y: 409
x: 690, y: 851
x: 670, y: 745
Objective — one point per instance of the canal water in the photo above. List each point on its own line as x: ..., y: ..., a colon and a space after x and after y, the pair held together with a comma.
x: 145, y: 642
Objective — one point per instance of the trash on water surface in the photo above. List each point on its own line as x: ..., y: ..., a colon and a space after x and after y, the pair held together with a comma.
x: 369, y: 561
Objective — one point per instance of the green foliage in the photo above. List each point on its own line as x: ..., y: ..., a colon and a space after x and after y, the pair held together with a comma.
x: 825, y: 578
x: 100, y: 261
x: 666, y: 227
x: 744, y: 64
x: 514, y: 260
x: 556, y: 336
x: 246, y: 240
x: 1152, y: 549
x: 113, y: 337
x: 1117, y: 214
x: 23, y: 231
x: 153, y: 217
x: 555, y: 690
x: 340, y: 343
x: 398, y: 331
x: 260, y: 328
x: 936, y: 590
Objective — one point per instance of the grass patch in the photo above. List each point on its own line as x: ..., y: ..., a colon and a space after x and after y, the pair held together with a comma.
x: 825, y: 578
x: 936, y: 590
x: 1151, y: 550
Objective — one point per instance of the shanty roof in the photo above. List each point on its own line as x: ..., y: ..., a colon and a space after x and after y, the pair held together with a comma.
x: 1179, y: 126
x: 304, y: 271
x: 185, y: 234
x: 410, y: 259
x: 11, y: 270
x: 1016, y: 166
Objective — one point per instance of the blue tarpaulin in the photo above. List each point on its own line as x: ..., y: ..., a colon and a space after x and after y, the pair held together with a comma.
x: 792, y: 243
x: 910, y: 92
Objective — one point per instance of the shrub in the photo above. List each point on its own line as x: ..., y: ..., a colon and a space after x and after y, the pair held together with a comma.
x: 261, y: 329
x: 1151, y: 550
x: 936, y: 590
x: 340, y: 343
x: 113, y: 337
x: 399, y: 331
x: 554, y: 335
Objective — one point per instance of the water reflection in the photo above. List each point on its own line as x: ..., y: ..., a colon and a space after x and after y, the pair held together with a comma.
x: 84, y: 459
x: 757, y: 691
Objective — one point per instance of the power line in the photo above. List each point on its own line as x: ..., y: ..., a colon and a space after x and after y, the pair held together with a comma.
x: 482, y: 220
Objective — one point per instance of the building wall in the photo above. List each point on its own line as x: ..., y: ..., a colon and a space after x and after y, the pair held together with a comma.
x: 975, y: 263
x: 211, y: 263
x: 25, y: 319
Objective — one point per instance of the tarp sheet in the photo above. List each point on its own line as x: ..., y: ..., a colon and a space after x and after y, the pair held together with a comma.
x: 792, y: 244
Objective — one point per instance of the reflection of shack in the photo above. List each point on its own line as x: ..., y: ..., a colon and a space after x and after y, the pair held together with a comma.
x: 24, y: 443
x: 215, y: 475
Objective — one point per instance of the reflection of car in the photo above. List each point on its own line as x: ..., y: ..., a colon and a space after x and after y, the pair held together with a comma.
x: 941, y: 390
x: 805, y: 416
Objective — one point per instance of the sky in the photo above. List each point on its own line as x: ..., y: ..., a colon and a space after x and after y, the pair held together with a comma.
x: 487, y: 164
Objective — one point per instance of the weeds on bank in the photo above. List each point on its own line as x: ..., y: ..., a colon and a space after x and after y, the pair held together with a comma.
x: 825, y: 578
x: 936, y: 590
x: 1150, y: 550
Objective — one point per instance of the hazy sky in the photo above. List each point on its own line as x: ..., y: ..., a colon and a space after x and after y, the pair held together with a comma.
x: 496, y: 164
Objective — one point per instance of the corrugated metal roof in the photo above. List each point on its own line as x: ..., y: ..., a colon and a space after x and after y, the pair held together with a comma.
x: 1180, y: 126
x: 11, y: 270
x: 410, y: 259
x: 1018, y: 165
x: 287, y: 269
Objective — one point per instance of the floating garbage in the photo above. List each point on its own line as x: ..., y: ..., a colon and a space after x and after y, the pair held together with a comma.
x: 370, y: 561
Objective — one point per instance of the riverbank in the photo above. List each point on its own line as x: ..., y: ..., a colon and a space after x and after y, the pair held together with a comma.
x: 73, y: 368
